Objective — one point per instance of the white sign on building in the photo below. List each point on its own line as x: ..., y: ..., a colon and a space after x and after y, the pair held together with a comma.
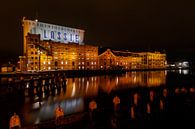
x: 53, y: 32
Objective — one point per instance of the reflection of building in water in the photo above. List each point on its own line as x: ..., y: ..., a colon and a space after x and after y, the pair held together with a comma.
x: 132, y: 79
x: 37, y: 112
x: 149, y: 78
x: 77, y: 87
x: 155, y: 78
x: 107, y: 83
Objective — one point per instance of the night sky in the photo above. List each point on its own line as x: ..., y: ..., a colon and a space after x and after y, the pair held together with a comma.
x: 136, y: 25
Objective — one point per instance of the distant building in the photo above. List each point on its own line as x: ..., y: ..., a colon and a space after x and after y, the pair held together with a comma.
x: 8, y: 68
x: 111, y: 59
x: 153, y: 60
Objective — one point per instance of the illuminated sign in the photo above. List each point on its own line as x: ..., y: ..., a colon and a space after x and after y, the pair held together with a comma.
x: 53, y: 32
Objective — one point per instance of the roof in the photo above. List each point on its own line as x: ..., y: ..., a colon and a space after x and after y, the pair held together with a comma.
x: 122, y: 53
x: 7, y: 65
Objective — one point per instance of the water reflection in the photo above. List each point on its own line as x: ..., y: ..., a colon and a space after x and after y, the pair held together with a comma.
x: 181, y: 71
x: 132, y: 79
x: 41, y: 106
x: 41, y: 111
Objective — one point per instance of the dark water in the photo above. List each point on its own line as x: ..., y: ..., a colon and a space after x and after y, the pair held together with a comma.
x: 178, y: 105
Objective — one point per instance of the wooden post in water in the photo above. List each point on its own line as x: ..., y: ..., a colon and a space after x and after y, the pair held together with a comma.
x: 116, y: 102
x: 148, y: 108
x: 151, y: 96
x: 161, y: 105
x: 92, y: 107
x: 135, y: 98
x: 165, y: 92
x: 132, y: 113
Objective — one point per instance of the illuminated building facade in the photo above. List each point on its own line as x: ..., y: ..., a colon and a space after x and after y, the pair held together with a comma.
x: 153, y: 60
x: 111, y: 59
x: 53, y: 47
x: 50, y: 55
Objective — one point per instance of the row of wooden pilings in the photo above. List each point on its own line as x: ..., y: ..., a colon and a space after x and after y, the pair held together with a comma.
x: 15, y: 121
x: 136, y: 97
x: 37, y: 84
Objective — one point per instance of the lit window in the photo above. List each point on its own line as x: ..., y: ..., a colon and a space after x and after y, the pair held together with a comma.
x: 49, y: 62
x: 83, y: 67
x: 79, y: 67
x: 92, y: 63
x: 83, y: 63
x: 79, y: 63
x: 101, y: 66
x: 49, y: 68
x: 62, y: 67
x: 95, y: 63
x: 44, y: 62
x: 62, y: 62
x: 66, y: 62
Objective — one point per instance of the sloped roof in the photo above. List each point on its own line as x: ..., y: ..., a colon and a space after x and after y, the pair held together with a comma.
x: 7, y: 65
x: 122, y: 53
